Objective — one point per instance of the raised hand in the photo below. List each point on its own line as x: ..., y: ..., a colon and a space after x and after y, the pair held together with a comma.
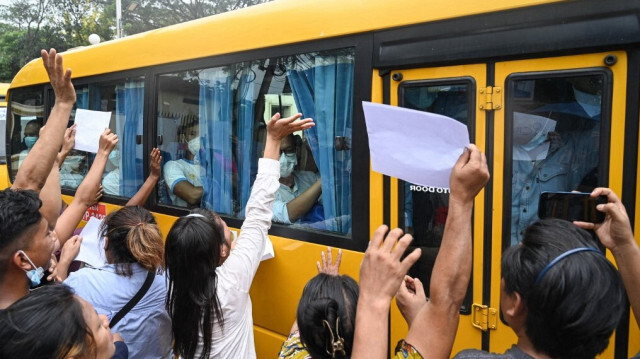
x: 326, y: 264
x: 616, y: 230
x: 154, y: 163
x: 108, y: 141
x: 69, y: 139
x: 59, y: 78
x: 98, y: 195
x: 382, y: 269
x: 469, y: 175
x: 410, y: 298
x: 278, y: 128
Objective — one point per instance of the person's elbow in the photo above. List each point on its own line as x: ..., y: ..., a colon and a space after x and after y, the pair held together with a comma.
x: 193, y: 197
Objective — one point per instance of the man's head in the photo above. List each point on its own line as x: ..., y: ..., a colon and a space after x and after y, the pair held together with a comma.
x: 25, y: 237
x: 31, y: 133
x: 570, y: 308
x: 288, y: 155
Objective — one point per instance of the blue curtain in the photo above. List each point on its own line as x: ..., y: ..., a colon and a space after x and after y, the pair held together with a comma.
x: 129, y: 110
x: 216, y: 115
x: 245, y: 146
x: 323, y: 89
x: 82, y: 98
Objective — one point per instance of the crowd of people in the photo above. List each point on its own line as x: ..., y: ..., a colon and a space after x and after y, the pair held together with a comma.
x: 189, y: 296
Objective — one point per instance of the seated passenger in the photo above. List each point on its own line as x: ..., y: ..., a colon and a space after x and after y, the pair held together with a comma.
x: 52, y: 323
x: 183, y: 175
x: 326, y: 315
x: 299, y: 190
x: 134, y: 251
x: 31, y: 134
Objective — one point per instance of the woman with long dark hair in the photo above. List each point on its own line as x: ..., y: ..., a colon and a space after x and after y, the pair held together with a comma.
x: 209, y: 283
x: 135, y: 253
x: 53, y: 323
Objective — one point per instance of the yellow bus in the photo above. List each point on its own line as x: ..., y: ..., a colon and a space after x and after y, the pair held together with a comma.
x: 514, y: 71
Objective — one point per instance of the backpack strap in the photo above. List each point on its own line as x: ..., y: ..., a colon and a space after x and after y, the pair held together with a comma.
x: 132, y: 303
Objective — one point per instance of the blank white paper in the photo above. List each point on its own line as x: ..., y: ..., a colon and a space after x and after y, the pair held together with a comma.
x: 415, y: 146
x: 91, y: 250
x: 89, y: 126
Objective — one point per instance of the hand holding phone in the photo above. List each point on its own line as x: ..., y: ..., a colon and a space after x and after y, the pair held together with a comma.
x: 571, y: 206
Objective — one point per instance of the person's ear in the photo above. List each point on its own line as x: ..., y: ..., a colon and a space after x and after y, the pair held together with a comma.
x: 20, y: 261
x: 513, y: 305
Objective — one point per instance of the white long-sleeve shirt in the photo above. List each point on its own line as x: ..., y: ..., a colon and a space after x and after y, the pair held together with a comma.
x: 236, y: 273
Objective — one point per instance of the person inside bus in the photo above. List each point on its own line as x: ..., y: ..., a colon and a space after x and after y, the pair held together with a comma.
x: 299, y: 190
x: 182, y: 176
x: 52, y: 322
x: 384, y: 266
x: 326, y: 314
x: 555, y: 146
x: 134, y: 251
x: 31, y: 134
x: 111, y: 182
x: 26, y: 240
x: 208, y: 281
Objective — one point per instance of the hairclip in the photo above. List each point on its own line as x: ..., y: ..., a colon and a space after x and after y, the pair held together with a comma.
x: 337, y: 344
x: 563, y: 256
x: 197, y: 215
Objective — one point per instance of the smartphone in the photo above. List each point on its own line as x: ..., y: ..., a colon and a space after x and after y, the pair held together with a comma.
x: 571, y: 206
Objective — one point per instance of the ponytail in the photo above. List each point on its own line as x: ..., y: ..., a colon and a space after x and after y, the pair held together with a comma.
x: 144, y: 241
x: 133, y: 236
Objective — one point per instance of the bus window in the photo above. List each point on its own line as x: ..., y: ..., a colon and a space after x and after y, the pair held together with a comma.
x: 555, y: 128
x: 212, y: 126
x: 27, y: 115
x: 125, y: 100
x: 425, y: 208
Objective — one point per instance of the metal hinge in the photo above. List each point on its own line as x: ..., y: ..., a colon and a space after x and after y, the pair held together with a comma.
x: 483, y: 317
x: 490, y: 98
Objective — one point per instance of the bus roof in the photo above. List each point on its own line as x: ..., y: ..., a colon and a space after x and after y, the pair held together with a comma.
x: 270, y: 24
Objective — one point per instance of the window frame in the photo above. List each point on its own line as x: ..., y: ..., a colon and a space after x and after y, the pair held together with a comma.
x: 605, y: 131
x: 465, y: 308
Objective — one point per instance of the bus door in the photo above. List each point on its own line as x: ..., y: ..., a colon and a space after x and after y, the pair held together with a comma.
x: 422, y: 211
x: 561, y: 127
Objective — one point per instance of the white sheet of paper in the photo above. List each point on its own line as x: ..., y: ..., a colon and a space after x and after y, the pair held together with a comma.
x: 415, y: 146
x: 89, y: 126
x: 268, y: 252
x: 91, y: 250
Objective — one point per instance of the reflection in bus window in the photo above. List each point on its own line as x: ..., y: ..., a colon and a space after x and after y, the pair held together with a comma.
x: 27, y: 115
x: 123, y: 174
x: 556, y: 140
x: 212, y: 128
x: 426, y: 208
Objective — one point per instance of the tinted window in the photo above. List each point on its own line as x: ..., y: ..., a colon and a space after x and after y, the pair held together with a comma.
x: 212, y: 126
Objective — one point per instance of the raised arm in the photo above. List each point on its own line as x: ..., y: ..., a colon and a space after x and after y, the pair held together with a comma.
x: 243, y: 261
x: 452, y: 268
x: 615, y: 233
x: 86, y: 193
x: 381, y: 273
x: 37, y: 165
x: 143, y: 193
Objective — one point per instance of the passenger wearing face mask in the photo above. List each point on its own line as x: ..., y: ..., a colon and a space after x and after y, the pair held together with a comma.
x: 555, y: 148
x: 31, y: 134
x: 299, y: 190
x: 183, y: 175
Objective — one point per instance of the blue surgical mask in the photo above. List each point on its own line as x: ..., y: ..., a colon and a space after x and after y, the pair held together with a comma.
x: 34, y: 275
x: 30, y: 141
x: 287, y: 163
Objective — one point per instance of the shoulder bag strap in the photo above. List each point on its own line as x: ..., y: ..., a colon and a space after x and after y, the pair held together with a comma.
x: 136, y: 298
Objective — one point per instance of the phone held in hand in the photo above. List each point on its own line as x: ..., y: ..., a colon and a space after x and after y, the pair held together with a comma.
x: 571, y: 206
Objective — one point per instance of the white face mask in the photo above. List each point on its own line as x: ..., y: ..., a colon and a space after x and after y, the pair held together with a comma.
x: 194, y: 145
x: 287, y: 163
